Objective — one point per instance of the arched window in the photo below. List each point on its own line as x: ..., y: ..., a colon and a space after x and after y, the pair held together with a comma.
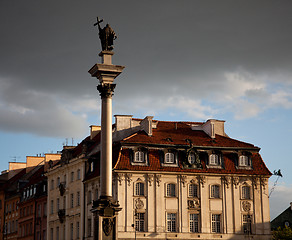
x: 192, y: 158
x: 169, y: 157
x: 215, y: 191
x: 170, y: 190
x: 139, y: 189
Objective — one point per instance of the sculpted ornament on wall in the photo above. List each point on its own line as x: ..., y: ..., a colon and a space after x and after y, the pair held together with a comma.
x: 158, y: 179
x: 235, y: 181
x: 194, y: 204
x: 139, y: 203
x: 246, y: 206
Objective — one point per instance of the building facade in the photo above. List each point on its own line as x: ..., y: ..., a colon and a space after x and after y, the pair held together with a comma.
x: 183, y: 180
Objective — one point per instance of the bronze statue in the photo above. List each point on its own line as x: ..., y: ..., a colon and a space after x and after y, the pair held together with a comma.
x: 106, y: 35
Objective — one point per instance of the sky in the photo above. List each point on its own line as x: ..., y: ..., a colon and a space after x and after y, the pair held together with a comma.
x: 188, y: 60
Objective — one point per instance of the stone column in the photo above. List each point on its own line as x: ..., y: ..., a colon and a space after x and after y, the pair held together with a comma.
x: 106, y: 209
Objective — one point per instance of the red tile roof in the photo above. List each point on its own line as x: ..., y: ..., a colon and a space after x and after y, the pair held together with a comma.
x: 176, y: 133
x: 229, y: 167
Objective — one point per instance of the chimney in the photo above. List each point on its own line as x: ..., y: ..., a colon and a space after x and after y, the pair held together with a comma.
x: 146, y: 125
x: 94, y: 130
x: 213, y: 127
x: 123, y: 122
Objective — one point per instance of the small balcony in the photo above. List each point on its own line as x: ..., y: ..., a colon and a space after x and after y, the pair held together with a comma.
x: 61, y: 215
x: 62, y: 188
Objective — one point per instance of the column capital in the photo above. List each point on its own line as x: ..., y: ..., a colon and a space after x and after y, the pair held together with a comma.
x: 106, y: 89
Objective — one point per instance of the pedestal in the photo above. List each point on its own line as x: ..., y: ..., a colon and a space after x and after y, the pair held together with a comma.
x: 105, y: 212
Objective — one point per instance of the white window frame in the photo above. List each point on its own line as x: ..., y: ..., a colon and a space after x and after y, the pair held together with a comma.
x: 191, y: 158
x: 243, y: 161
x: 169, y: 158
x: 215, y: 191
x: 139, y: 157
x: 216, y: 223
x: 193, y: 190
x: 171, y: 222
x: 171, y: 190
x: 139, y: 189
x: 214, y: 159
x: 194, y: 222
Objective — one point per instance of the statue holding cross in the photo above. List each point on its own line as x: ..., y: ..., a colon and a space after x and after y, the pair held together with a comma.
x: 106, y: 35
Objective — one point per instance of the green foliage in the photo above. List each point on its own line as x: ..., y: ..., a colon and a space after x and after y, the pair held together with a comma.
x: 282, y: 233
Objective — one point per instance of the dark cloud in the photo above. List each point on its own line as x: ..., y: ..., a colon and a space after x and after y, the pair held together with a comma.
x: 170, y: 49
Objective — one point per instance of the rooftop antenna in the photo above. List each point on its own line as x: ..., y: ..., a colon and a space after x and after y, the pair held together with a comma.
x: 66, y: 141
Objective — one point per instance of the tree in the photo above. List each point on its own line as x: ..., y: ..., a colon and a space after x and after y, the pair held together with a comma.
x: 282, y: 233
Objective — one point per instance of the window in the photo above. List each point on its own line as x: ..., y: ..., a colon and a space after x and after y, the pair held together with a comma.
x: 193, y: 190
x: 72, y: 200
x: 52, y: 185
x: 64, y: 202
x: 194, y: 222
x: 39, y: 210
x: 72, y: 176
x: 139, y: 157
x: 77, y: 230
x: 246, y: 224
x: 139, y: 189
x: 65, y: 180
x: 44, y: 234
x: 192, y: 158
x: 71, y: 231
x: 52, y: 206
x: 216, y: 223
x: 243, y: 161
x: 52, y: 234
x: 215, y: 191
x: 58, y: 204
x: 91, y: 167
x: 45, y: 209
x: 58, y: 181
x: 170, y: 190
x: 89, y: 227
x: 169, y: 157
x: 245, y: 192
x: 57, y: 233
x: 89, y: 197
x: 78, y: 174
x: 140, y: 222
x: 171, y: 222
x: 78, y: 199
x: 214, y: 159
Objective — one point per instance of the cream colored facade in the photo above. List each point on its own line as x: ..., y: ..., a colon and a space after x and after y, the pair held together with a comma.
x: 65, y: 214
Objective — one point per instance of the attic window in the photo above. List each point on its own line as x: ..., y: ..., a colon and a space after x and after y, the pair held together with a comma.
x: 243, y: 161
x: 169, y: 157
x: 139, y: 157
x: 214, y: 159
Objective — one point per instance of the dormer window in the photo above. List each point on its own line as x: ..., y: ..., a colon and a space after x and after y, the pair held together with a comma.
x: 214, y: 159
x: 243, y: 161
x: 139, y: 157
x: 191, y: 158
x: 169, y: 158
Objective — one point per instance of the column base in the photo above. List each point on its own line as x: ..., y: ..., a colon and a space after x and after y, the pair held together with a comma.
x: 105, y: 212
